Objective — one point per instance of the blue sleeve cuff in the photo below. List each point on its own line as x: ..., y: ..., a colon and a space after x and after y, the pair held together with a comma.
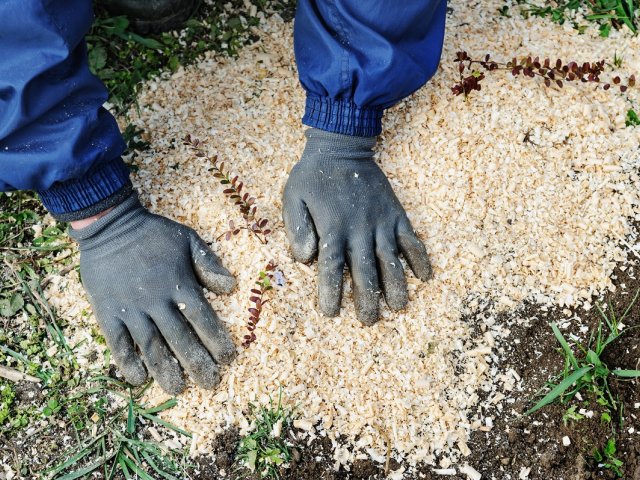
x: 106, y: 182
x: 342, y: 116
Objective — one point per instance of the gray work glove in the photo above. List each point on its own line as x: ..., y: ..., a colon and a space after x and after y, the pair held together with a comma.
x: 339, y: 205
x: 144, y: 274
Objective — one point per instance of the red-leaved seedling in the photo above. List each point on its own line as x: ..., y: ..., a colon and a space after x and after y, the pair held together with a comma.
x: 257, y: 298
x: 472, y: 72
x: 233, y: 190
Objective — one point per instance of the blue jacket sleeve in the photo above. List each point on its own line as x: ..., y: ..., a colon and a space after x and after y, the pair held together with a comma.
x: 55, y: 136
x: 356, y: 58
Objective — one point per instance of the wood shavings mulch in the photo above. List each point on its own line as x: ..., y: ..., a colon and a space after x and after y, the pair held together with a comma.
x: 519, y: 193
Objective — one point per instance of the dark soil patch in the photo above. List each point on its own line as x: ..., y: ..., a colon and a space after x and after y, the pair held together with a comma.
x: 535, y: 441
x: 515, y: 443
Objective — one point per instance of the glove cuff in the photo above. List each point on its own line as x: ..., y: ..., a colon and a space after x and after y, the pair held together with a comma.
x: 326, y: 144
x: 122, y: 214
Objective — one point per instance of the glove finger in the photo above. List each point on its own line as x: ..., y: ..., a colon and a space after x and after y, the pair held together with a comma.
x: 123, y: 350
x: 186, y: 346
x: 208, y: 267
x: 366, y: 291
x: 299, y: 227
x: 394, y: 285
x: 330, y: 275
x: 196, y: 309
x: 161, y: 363
x: 413, y: 250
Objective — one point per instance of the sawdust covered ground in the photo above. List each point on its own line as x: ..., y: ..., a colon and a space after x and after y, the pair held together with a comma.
x: 520, y: 193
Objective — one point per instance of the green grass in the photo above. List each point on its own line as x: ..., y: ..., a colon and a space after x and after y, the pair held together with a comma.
x: 123, y: 60
x: 607, y: 14
x: 585, y: 372
x: 266, y: 449
x: 33, y: 339
x: 109, y: 440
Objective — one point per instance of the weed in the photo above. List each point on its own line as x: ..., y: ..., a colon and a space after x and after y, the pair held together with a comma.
x: 233, y: 190
x: 617, y: 60
x: 632, y: 120
x: 607, y: 458
x: 7, y: 396
x: 572, y: 415
x: 257, y: 298
x: 116, y: 444
x: 607, y: 14
x: 123, y: 60
x: 588, y: 373
x: 266, y: 449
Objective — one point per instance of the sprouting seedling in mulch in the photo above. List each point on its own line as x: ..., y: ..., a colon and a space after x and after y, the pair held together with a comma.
x: 268, y: 447
x: 632, y: 120
x: 257, y: 298
x: 588, y: 373
x: 233, y: 190
x: 117, y: 444
x: 473, y: 71
x: 607, y: 459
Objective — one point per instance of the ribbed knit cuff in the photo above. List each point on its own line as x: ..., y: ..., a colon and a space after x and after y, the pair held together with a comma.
x: 99, y: 189
x: 342, y: 116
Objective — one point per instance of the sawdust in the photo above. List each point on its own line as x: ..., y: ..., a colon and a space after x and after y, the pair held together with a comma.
x: 503, y: 219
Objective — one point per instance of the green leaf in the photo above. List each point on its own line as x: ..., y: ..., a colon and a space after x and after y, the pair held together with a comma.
x: 123, y: 466
x: 83, y: 471
x: 559, y: 389
x: 97, y: 59
x: 632, y: 119
x: 565, y: 345
x: 250, y: 460
x: 131, y: 419
x: 159, y: 421
x: 610, y: 448
x: 592, y: 358
x: 172, y: 402
x: 147, y: 42
x: 158, y: 470
x: 136, y: 468
x: 249, y: 443
x: 626, y: 373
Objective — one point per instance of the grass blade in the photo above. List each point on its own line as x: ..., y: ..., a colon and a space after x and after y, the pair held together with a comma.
x: 162, y: 407
x: 559, y: 389
x: 626, y: 373
x: 136, y: 469
x: 131, y: 419
x: 69, y: 462
x: 158, y: 420
x: 565, y: 345
x: 88, y: 469
x: 158, y: 470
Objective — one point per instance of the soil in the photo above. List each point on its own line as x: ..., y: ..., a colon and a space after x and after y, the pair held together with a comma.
x: 516, y: 444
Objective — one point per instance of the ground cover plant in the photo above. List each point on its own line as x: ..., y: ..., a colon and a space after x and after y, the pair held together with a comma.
x: 607, y: 14
x: 268, y: 448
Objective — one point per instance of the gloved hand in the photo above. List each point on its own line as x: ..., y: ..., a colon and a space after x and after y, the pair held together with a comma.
x: 144, y: 275
x: 339, y: 205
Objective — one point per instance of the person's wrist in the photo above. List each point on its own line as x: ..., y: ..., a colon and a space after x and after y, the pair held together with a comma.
x: 85, y: 222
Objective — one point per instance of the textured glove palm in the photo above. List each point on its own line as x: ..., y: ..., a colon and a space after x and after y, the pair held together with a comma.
x: 144, y: 275
x: 339, y: 206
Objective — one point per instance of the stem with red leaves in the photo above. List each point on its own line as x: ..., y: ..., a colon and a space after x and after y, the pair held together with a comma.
x: 257, y: 298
